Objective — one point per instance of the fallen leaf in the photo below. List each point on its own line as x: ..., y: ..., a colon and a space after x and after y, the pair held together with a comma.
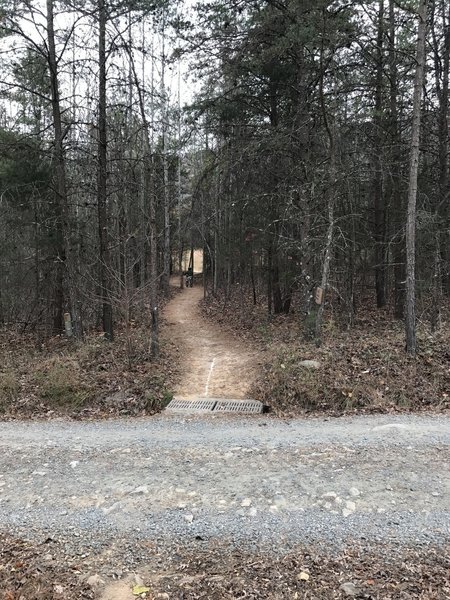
x: 303, y: 576
x: 140, y: 589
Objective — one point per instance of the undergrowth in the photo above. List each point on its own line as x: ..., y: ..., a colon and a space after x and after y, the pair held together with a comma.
x: 93, y: 378
x: 60, y: 384
x: 362, y: 369
x: 9, y: 389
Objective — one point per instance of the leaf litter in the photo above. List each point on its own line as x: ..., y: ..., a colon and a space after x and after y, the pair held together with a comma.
x: 217, y: 570
x: 363, y: 369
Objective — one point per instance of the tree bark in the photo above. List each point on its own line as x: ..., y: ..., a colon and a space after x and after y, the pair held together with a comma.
x: 65, y: 268
x: 410, y: 321
x: 102, y: 176
x: 378, y: 191
x: 331, y: 195
x: 442, y: 63
x: 165, y: 164
x: 396, y: 193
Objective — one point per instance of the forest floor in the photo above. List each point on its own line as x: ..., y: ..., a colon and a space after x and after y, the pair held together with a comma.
x: 52, y: 377
x: 227, y: 349
x: 359, y: 369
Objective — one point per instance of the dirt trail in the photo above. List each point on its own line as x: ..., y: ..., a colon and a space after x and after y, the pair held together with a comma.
x: 214, y: 363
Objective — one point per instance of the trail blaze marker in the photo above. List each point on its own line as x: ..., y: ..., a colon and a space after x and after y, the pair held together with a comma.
x: 318, y: 296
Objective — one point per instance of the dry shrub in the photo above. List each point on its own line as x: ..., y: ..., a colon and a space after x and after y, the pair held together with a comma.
x: 156, y: 402
x: 94, y: 378
x: 9, y: 389
x: 60, y: 385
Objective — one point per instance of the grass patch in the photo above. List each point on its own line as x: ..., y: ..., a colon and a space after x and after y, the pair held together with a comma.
x: 59, y: 385
x: 9, y: 389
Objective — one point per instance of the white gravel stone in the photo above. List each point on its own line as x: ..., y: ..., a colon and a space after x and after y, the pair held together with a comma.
x: 142, y: 489
x: 349, y: 589
x: 310, y: 364
x: 95, y: 581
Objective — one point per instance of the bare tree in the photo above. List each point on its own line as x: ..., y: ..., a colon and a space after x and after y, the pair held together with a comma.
x: 104, y: 253
x: 65, y: 266
x: 410, y: 320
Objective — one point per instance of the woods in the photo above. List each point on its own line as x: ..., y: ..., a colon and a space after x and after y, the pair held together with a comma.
x: 307, y: 155
x: 316, y: 115
x: 224, y: 299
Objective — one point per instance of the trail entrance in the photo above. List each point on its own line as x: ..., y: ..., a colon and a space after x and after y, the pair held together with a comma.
x: 214, y: 363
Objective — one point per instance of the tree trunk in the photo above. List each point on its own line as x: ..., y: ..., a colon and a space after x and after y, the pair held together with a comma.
x: 378, y: 191
x: 329, y: 241
x: 331, y: 196
x: 105, y: 261
x: 66, y: 268
x: 410, y: 321
x: 442, y: 64
x: 153, y: 227
x: 165, y: 163
x: 396, y: 195
x: 149, y: 200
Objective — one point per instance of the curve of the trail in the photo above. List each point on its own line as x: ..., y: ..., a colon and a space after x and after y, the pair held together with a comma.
x: 214, y: 363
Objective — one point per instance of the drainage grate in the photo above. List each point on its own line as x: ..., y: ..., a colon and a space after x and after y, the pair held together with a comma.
x: 241, y: 406
x: 205, y: 405
x: 200, y: 405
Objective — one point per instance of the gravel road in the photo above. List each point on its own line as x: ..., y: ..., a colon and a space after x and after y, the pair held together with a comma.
x: 254, y: 481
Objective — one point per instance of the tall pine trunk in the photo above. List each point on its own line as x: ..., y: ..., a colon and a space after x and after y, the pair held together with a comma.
x: 104, y: 253
x: 165, y: 165
x: 395, y: 193
x: 378, y: 188
x: 443, y: 209
x: 149, y: 200
x: 66, y: 269
x: 410, y: 321
x: 331, y: 194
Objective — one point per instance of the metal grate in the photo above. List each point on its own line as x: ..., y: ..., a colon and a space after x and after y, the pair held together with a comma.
x: 200, y: 405
x: 206, y: 405
x: 240, y: 406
